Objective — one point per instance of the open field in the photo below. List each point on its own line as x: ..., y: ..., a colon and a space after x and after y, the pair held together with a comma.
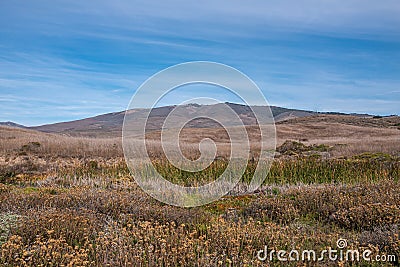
x: 70, y: 201
x: 199, y: 133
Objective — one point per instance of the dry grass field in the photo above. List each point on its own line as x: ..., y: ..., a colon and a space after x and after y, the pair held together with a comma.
x: 71, y: 201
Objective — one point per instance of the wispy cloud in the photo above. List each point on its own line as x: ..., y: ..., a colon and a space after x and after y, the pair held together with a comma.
x: 63, y: 60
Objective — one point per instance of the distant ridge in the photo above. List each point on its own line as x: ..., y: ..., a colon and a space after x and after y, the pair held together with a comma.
x: 110, y: 124
x: 12, y: 124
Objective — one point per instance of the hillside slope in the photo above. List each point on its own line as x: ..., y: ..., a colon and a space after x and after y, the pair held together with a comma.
x: 111, y: 124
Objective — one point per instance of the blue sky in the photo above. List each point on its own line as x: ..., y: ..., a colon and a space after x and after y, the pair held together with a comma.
x: 65, y: 60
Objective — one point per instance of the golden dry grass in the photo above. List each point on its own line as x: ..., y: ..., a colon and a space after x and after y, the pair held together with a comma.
x: 13, y: 141
x: 92, y: 226
x: 71, y: 201
x: 348, y: 134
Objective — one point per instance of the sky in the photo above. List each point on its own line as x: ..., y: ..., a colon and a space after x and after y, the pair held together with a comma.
x: 63, y: 60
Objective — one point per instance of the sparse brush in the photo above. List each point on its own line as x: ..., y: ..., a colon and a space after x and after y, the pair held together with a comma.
x: 73, y: 202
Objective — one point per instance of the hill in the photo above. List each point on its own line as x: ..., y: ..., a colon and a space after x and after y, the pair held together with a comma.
x: 111, y: 124
x: 11, y: 124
